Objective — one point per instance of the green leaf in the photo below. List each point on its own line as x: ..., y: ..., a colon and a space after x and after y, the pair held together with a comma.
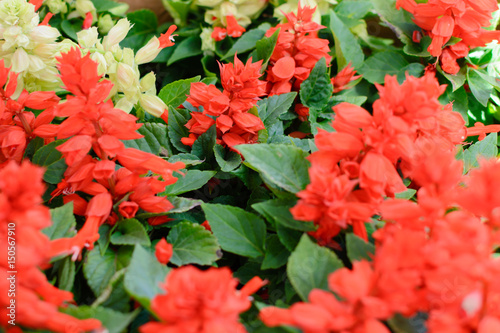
x: 265, y: 48
x: 189, y: 47
x: 187, y: 159
x: 354, y: 9
x: 144, y: 24
x: 279, y: 211
x: 284, y: 165
x: 143, y: 276
x: 174, y: 94
x: 130, y: 232
x: 347, y: 48
x: 276, y: 253
x: 272, y: 107
x: 400, y: 21
x: 178, y: 9
x: 114, y: 321
x: 50, y: 158
x: 418, y: 49
x: 193, y: 180
x: 288, y: 237
x: 176, y: 129
x: 155, y: 139
x: 228, y: 160
x: 381, y: 64
x: 203, y: 147
x: 458, y: 98
x: 66, y: 274
x: 457, y: 80
x: 237, y: 231
x: 193, y: 244
x: 245, y: 43
x: 106, y: 5
x: 316, y: 90
x: 182, y: 205
x: 98, y: 269
x: 358, y: 249
x: 480, y: 88
x: 63, y: 222
x: 487, y: 148
x: 413, y: 69
x: 309, y: 266
x: 71, y: 27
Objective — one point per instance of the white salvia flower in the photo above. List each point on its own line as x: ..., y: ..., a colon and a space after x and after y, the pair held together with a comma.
x: 126, y: 76
x: 36, y: 64
x: 148, y: 83
x: 124, y: 104
x: 148, y: 52
x: 44, y: 34
x: 87, y: 38
x: 116, y: 34
x: 207, y: 42
x: 152, y: 105
x: 20, y: 60
x: 102, y: 65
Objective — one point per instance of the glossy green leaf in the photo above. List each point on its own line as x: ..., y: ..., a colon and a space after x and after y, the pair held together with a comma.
x: 237, y: 231
x: 130, y: 232
x: 174, y: 94
x: 309, y: 266
x: 192, y: 180
x: 358, y: 249
x: 63, y: 222
x: 193, y: 244
x: 317, y: 89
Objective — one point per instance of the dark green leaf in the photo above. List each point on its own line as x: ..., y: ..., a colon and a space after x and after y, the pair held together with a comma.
x: 400, y: 21
x: 284, y: 165
x: 174, y: 94
x: 189, y: 47
x: 459, y: 99
x: 316, y: 90
x: 279, y: 211
x: 63, y: 222
x: 55, y: 172
x: 228, y: 160
x: 245, y: 43
x: 265, y: 48
x: 182, y: 205
x: 358, y: 249
x: 48, y: 154
x: 276, y: 253
x: 309, y: 266
x: 144, y: 24
x: 143, y: 276
x: 71, y: 27
x: 272, y: 107
x: 381, y: 64
x: 114, y: 321
x: 288, y: 237
x: 176, y: 129
x: 347, y: 48
x: 203, y: 147
x: 487, y: 148
x: 192, y: 244
x: 457, y: 80
x: 480, y: 88
x: 130, y: 232
x: 238, y: 231
x: 192, y: 180
x: 66, y: 274
x: 98, y: 269
x: 154, y: 141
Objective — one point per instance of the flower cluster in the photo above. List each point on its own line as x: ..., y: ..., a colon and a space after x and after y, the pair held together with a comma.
x: 359, y: 164
x: 435, y: 257
x: 22, y: 217
x: 94, y: 124
x: 297, y: 51
x: 120, y: 66
x: 201, y: 302
x: 228, y: 110
x: 17, y: 125
x: 441, y: 20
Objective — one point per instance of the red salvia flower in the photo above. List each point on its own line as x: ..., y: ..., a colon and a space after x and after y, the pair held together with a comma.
x: 201, y: 302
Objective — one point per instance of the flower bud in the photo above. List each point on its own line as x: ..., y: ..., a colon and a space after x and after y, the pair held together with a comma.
x: 207, y: 42
x: 148, y: 82
x: 20, y: 60
x: 84, y: 6
x: 87, y: 38
x: 124, y: 104
x: 116, y: 34
x: 56, y: 6
x: 148, y: 52
x: 152, y: 105
x: 105, y: 24
x: 125, y: 75
x: 44, y: 34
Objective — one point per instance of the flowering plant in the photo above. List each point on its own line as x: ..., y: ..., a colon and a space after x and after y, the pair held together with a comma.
x: 252, y: 166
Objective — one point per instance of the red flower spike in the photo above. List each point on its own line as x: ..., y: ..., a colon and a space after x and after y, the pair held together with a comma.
x: 201, y: 301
